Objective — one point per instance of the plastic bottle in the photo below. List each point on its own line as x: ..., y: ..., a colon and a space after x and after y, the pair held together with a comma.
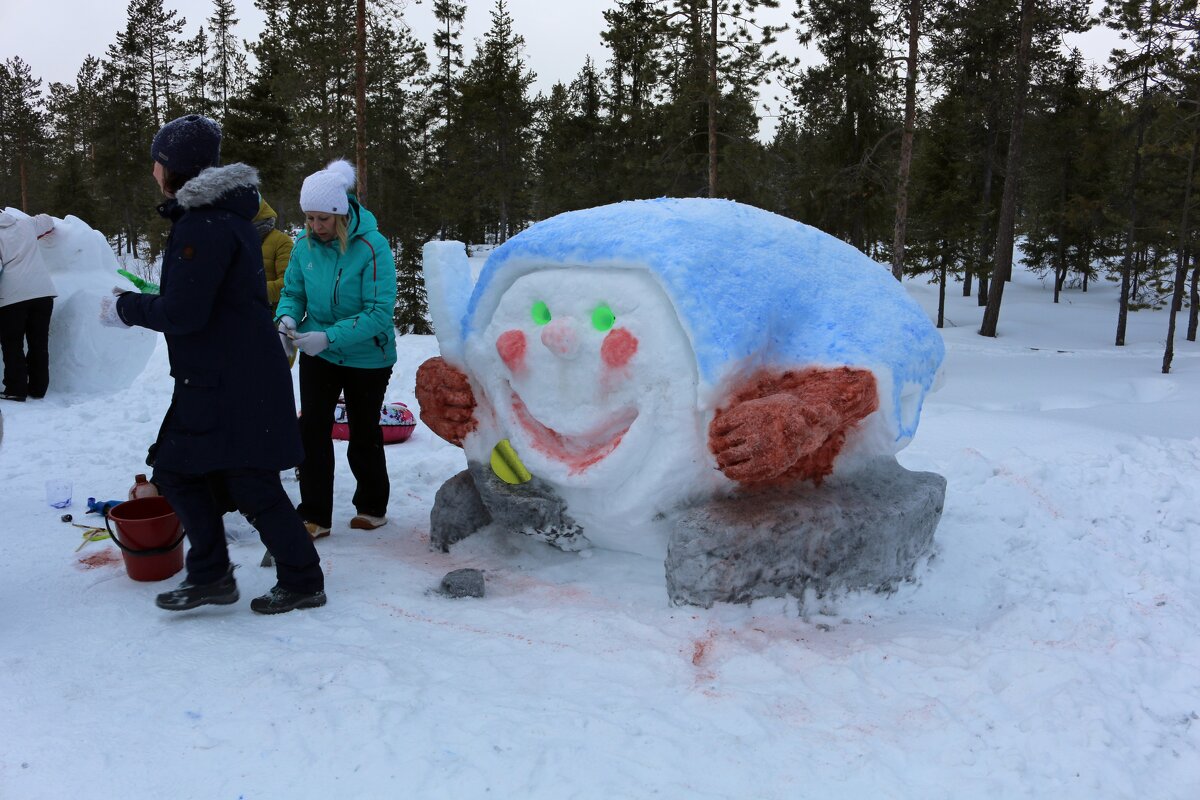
x: 142, y: 488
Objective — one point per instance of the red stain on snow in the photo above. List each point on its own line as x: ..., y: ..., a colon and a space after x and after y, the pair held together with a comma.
x: 1024, y: 482
x: 699, y: 648
x: 102, y: 559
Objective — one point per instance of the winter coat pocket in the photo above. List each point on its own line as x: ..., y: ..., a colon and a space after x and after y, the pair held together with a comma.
x: 195, y: 407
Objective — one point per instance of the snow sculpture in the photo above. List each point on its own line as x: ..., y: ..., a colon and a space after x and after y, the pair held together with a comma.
x: 85, y: 356
x: 698, y: 378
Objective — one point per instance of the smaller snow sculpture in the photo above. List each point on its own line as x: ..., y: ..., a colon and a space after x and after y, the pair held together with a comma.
x: 85, y: 356
x: 694, y: 379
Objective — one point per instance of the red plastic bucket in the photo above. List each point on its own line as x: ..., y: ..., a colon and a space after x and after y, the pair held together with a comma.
x: 151, y: 538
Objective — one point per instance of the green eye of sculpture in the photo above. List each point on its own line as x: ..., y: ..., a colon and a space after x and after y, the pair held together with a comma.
x: 603, y: 317
x: 540, y: 313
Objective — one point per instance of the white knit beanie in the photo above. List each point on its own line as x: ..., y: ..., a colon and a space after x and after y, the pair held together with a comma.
x: 325, y: 191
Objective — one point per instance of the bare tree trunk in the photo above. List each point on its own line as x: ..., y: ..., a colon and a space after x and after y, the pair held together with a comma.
x: 712, y: 101
x: 1060, y: 252
x: 24, y: 186
x: 906, y: 141
x: 130, y: 234
x: 1181, y: 256
x: 989, y: 171
x: 1127, y: 260
x: 1194, y: 312
x: 360, y: 101
x: 1135, y: 277
x: 1012, y: 179
x: 941, y: 317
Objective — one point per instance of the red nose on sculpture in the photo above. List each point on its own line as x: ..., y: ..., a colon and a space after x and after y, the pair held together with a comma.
x: 560, y: 338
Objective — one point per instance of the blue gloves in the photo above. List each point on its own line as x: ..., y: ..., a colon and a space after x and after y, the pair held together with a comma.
x: 311, y: 343
x: 101, y: 507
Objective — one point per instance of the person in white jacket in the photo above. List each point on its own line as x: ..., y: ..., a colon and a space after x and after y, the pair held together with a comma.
x: 26, y: 303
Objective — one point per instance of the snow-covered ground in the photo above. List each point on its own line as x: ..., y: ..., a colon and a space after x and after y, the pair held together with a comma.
x: 1049, y: 649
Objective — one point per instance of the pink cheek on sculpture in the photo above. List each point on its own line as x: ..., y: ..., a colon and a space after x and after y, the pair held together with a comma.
x: 511, y: 347
x: 618, y: 348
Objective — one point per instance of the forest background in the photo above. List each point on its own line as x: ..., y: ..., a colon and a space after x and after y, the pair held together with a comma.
x: 931, y: 134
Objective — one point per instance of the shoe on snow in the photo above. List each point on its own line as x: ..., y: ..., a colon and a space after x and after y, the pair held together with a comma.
x: 221, y: 592
x: 366, y: 522
x: 16, y: 398
x: 279, y: 600
x: 316, y: 531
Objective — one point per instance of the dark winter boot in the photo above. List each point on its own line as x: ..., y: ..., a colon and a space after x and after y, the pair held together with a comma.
x: 221, y: 592
x: 279, y: 600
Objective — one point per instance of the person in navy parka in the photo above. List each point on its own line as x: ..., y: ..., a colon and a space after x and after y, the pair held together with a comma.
x: 232, y: 418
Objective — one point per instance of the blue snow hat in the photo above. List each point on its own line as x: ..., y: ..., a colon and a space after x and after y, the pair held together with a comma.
x: 751, y: 289
x: 188, y: 145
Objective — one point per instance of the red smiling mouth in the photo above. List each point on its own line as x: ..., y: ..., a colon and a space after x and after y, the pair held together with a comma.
x: 577, y: 452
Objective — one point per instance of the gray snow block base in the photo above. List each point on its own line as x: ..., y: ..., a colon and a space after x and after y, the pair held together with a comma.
x: 458, y: 511
x: 462, y: 583
x: 475, y: 498
x: 532, y: 508
x: 864, y: 531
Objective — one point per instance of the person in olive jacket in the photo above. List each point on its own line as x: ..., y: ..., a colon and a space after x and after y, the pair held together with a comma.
x: 276, y: 250
x: 232, y: 415
x: 339, y: 297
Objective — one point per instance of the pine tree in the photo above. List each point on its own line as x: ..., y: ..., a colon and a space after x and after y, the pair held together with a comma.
x: 906, y: 142
x: 1008, y: 204
x: 720, y: 56
x: 75, y: 114
x: 198, y: 88
x: 124, y: 130
x: 636, y: 37
x: 228, y: 68
x: 1154, y: 28
x: 489, y: 142
x: 572, y: 155
x: 21, y: 128
x: 397, y: 105
x: 847, y: 107
x: 149, y: 50
x: 450, y: 16
x: 1069, y: 178
x: 1183, y: 83
x: 940, y: 235
x: 973, y: 52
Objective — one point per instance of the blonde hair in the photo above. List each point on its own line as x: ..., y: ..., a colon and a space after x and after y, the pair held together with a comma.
x: 341, y: 229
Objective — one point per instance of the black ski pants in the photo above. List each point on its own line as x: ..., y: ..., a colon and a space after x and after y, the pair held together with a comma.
x: 260, y: 497
x: 321, y: 384
x: 25, y: 345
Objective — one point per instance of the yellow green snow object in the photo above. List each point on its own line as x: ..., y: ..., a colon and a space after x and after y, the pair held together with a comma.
x: 507, y: 465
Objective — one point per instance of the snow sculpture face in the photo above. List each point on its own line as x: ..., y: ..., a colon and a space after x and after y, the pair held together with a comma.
x: 591, y: 377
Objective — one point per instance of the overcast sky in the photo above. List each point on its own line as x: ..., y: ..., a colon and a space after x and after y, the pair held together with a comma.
x: 54, y: 36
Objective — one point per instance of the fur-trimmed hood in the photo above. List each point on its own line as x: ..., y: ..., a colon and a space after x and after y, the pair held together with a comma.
x: 215, y: 183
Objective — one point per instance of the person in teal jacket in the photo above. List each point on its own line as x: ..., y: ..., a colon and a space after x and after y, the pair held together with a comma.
x: 337, y: 306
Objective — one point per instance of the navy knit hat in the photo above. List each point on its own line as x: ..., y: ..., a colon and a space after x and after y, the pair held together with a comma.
x: 188, y: 145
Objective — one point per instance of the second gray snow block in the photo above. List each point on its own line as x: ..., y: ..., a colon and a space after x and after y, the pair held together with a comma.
x: 867, y: 530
